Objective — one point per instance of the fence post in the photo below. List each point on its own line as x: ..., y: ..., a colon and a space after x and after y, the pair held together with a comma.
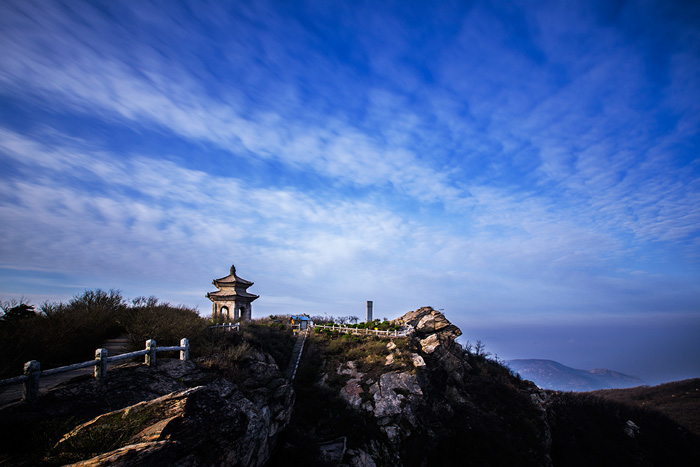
x: 101, y: 363
x: 151, y: 355
x: 185, y: 354
x: 30, y: 389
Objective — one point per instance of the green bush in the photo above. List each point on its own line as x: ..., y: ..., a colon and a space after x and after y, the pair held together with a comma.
x: 165, y: 323
x: 60, y: 333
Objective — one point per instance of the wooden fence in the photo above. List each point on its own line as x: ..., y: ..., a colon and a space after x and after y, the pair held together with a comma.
x: 32, y: 369
x: 363, y: 332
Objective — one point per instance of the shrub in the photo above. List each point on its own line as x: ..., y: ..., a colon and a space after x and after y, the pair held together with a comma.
x: 60, y: 333
x: 165, y: 323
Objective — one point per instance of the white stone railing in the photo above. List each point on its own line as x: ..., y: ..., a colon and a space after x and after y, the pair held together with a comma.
x: 32, y: 369
x: 227, y: 327
x: 363, y: 332
x: 301, y: 350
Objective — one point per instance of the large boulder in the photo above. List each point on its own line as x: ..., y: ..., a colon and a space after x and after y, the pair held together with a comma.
x: 425, y: 321
x: 206, y: 425
x: 178, y: 413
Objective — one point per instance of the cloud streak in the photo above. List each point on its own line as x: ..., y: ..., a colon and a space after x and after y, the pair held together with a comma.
x: 525, y: 163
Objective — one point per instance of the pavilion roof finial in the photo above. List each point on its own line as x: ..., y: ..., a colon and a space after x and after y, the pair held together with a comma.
x: 233, y: 270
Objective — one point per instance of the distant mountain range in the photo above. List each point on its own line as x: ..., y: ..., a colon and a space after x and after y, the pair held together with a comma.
x: 549, y: 374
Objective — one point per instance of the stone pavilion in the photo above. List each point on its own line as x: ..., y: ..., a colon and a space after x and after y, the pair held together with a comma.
x: 231, y: 302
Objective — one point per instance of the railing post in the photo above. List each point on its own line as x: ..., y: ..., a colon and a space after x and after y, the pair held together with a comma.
x: 30, y: 390
x: 101, y: 363
x: 151, y: 355
x: 185, y: 353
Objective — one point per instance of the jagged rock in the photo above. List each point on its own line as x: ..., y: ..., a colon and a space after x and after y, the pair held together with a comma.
x: 351, y: 392
x: 426, y: 320
x: 417, y: 360
x: 216, y: 419
x: 430, y: 343
x: 360, y: 458
x: 176, y: 413
x: 332, y: 451
x: 631, y: 429
x: 392, y: 393
x: 350, y: 369
x: 153, y: 453
x: 416, y: 407
x: 392, y: 432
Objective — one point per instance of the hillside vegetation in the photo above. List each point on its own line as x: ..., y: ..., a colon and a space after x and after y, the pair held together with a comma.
x: 426, y: 401
x: 232, y: 390
x: 679, y: 400
x: 62, y: 333
x: 422, y: 400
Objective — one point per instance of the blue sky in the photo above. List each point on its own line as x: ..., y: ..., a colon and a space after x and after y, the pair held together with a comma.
x: 533, y: 168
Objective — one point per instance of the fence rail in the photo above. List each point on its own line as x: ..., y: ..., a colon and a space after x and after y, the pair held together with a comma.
x: 301, y: 350
x: 364, y: 332
x: 33, y: 373
x: 227, y: 327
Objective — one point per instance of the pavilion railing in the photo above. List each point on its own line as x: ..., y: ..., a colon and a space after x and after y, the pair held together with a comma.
x: 227, y: 327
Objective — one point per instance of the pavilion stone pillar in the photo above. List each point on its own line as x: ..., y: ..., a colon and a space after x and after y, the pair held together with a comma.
x: 232, y: 300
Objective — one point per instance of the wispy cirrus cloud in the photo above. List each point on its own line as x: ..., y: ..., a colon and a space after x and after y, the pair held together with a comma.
x: 509, y: 163
x: 574, y: 132
x: 157, y: 94
x: 149, y: 216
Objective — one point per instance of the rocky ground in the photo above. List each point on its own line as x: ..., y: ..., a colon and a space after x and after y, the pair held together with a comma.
x: 415, y: 401
x: 357, y: 401
x: 427, y: 401
x: 179, y: 413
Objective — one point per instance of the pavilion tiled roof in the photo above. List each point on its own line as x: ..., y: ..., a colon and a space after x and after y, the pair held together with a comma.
x: 232, y: 279
x: 230, y: 287
x: 226, y: 293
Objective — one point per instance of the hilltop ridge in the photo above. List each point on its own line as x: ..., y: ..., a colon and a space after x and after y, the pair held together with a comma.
x: 549, y: 374
x: 357, y: 400
x: 425, y: 400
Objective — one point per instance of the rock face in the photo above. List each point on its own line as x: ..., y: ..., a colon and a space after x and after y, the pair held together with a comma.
x: 426, y: 409
x: 174, y: 414
x: 206, y: 425
x: 426, y: 321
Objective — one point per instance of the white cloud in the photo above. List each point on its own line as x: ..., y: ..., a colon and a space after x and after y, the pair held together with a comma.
x: 165, y: 95
x: 518, y: 177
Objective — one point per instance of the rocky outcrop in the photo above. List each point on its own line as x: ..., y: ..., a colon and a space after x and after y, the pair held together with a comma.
x: 178, y: 413
x: 432, y: 394
x: 426, y: 321
x: 213, y: 424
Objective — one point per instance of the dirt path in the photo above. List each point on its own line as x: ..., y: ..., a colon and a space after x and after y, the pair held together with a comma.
x: 13, y: 392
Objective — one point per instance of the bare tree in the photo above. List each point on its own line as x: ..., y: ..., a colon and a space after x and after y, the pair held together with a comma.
x: 469, y: 347
x: 480, y: 349
x: 12, y: 309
